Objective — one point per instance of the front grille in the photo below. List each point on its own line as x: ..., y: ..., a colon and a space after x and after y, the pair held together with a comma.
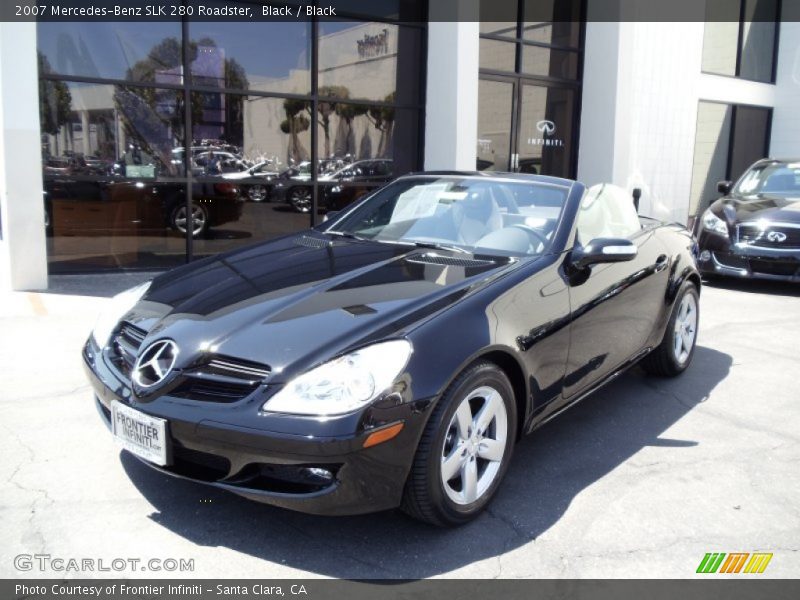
x: 756, y: 235
x: 222, y: 379
x: 125, y: 347
x: 218, y: 379
x: 209, y: 390
x: 238, y: 368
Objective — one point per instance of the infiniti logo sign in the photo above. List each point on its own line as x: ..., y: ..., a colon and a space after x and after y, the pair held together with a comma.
x: 155, y: 363
x: 546, y: 127
x: 776, y: 236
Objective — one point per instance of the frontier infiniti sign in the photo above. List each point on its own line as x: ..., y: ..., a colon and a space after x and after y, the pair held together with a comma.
x: 548, y: 129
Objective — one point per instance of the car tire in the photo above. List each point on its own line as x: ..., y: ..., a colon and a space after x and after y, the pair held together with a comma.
x: 257, y: 193
x: 300, y: 199
x: 428, y: 496
x: 179, y: 221
x: 671, y: 357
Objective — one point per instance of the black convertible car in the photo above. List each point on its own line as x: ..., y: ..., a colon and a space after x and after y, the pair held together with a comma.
x: 394, y: 355
x: 753, y: 231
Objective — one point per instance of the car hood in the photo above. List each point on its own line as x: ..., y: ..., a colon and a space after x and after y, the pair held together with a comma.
x: 739, y: 209
x: 300, y: 300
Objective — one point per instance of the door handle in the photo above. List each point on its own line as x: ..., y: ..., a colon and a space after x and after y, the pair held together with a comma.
x: 661, y: 263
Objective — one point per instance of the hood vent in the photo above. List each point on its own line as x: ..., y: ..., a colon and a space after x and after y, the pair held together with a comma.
x: 311, y: 242
x: 449, y: 261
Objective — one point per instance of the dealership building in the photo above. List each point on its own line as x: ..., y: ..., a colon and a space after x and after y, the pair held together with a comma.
x: 112, y: 134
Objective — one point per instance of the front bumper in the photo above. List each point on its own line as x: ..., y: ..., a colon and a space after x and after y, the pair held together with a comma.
x: 271, y: 466
x: 746, y: 261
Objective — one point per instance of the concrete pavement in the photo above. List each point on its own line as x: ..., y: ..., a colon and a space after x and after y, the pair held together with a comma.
x: 640, y: 480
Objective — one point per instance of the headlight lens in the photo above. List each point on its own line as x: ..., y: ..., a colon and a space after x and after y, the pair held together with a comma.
x: 344, y: 384
x: 114, y: 311
x: 713, y: 223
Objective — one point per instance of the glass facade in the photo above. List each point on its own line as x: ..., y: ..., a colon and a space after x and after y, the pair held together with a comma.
x: 740, y: 38
x: 729, y: 139
x: 529, y: 89
x: 275, y: 124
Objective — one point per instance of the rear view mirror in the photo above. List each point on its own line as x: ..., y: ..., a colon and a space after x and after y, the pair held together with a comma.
x: 603, y: 250
x: 724, y: 187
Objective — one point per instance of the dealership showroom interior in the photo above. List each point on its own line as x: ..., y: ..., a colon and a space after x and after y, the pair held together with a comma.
x: 409, y: 290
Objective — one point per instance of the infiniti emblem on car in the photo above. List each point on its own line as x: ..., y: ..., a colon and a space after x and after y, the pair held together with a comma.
x: 776, y: 236
x: 155, y: 363
x: 547, y: 127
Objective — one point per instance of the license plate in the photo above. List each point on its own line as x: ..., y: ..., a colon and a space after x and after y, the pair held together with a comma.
x: 140, y: 434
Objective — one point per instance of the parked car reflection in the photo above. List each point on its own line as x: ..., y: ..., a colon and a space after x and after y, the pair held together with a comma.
x: 255, y: 182
x: 338, y: 189
x: 104, y: 207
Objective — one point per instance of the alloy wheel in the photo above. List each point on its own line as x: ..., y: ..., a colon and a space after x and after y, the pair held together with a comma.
x: 474, y: 445
x: 198, y: 216
x: 685, y: 330
x: 300, y: 199
x: 257, y: 193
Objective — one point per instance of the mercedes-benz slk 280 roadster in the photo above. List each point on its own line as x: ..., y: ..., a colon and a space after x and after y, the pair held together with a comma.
x: 394, y: 355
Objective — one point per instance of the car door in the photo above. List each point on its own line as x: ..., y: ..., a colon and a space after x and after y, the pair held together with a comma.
x: 613, y: 309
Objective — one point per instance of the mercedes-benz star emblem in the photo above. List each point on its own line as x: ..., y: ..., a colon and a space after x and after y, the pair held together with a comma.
x: 546, y: 126
x: 776, y: 236
x: 155, y: 363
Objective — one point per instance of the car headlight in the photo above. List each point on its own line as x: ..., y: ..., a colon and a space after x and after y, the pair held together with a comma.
x: 713, y: 223
x: 115, y: 310
x: 344, y: 384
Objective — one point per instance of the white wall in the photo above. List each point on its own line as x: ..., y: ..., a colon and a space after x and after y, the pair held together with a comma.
x: 451, y: 122
x: 640, y: 105
x: 23, y: 254
x: 785, y: 139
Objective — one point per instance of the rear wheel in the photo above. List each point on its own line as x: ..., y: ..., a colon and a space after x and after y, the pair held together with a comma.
x: 465, y: 449
x: 674, y: 354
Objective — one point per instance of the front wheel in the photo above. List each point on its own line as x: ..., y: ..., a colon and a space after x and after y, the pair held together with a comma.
x: 257, y: 193
x: 465, y: 449
x: 300, y: 199
x: 674, y: 354
x: 182, y: 219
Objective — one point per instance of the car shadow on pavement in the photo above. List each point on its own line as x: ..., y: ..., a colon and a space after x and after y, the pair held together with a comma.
x: 549, y: 469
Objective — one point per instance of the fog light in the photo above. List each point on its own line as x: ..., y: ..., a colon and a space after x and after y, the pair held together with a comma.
x: 317, y: 476
x: 705, y: 255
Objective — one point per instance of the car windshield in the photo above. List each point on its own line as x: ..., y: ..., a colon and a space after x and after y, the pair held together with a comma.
x: 774, y: 179
x: 469, y: 214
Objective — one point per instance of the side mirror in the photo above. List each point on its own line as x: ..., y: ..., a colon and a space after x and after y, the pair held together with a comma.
x: 603, y: 250
x: 724, y: 187
x: 637, y: 194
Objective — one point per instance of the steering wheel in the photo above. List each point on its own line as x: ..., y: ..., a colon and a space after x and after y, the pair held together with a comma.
x: 540, y: 237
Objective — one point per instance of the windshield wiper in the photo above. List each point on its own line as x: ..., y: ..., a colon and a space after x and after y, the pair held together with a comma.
x: 437, y: 246
x: 348, y: 235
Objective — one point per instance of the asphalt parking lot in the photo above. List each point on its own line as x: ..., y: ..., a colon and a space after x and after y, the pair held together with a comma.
x: 640, y: 480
